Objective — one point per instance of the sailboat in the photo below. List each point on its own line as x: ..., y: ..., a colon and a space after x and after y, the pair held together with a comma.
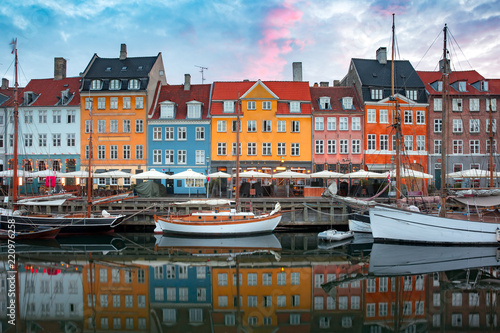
x: 398, y: 225
x: 69, y: 223
x: 221, y: 221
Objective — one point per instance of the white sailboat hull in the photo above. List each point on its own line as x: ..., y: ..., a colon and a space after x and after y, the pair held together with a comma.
x: 265, y: 224
x: 360, y: 226
x: 393, y: 224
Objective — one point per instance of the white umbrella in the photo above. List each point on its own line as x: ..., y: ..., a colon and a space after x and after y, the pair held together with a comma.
x: 151, y: 174
x: 20, y: 173
x: 189, y: 174
x: 253, y: 174
x: 409, y: 173
x: 114, y: 174
x: 471, y: 173
x: 48, y: 173
x: 364, y: 174
x: 77, y: 174
x: 290, y: 174
x: 326, y: 174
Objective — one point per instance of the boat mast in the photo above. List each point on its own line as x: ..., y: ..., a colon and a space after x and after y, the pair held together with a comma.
x: 15, y: 181
x: 491, y: 147
x: 89, y: 182
x: 397, y: 119
x: 445, y: 70
x: 237, y: 153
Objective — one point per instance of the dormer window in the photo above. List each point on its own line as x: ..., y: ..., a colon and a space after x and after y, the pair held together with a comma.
x: 133, y: 84
x: 228, y: 106
x: 29, y: 97
x: 64, y: 96
x: 411, y: 94
x: 462, y: 86
x: 376, y: 93
x: 439, y: 86
x: 484, y: 86
x: 347, y: 103
x: 167, y: 110
x: 124, y: 68
x: 96, y: 85
x: 193, y: 110
x: 115, y: 84
x: 108, y: 69
x: 324, y: 103
x: 294, y: 107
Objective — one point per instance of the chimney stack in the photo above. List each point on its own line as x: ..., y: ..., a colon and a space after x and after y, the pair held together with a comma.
x: 59, y: 68
x: 5, y: 83
x: 323, y: 84
x: 123, y: 52
x: 187, y: 82
x: 382, y: 55
x: 297, y: 71
x: 336, y: 83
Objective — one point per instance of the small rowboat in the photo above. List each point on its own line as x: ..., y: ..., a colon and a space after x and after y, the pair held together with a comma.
x: 333, y: 235
x: 35, y: 233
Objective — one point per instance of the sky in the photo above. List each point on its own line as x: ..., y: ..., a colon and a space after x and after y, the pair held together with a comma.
x: 247, y: 39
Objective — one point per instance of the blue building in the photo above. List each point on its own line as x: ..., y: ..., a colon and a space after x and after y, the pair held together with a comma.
x: 179, y: 134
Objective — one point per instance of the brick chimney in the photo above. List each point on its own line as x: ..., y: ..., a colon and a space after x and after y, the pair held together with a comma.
x: 5, y: 83
x: 336, y: 83
x: 297, y: 71
x: 123, y: 52
x: 187, y: 82
x: 59, y: 68
x: 382, y: 55
x: 323, y: 84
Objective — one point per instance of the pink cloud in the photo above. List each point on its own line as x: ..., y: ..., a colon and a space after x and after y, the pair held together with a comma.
x: 275, y: 43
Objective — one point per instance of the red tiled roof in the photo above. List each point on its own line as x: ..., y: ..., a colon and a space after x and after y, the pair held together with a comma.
x: 335, y: 94
x: 469, y: 76
x: 49, y: 90
x: 494, y: 86
x: 177, y: 94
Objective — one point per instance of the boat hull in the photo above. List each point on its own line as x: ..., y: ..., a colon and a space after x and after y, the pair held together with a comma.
x: 360, y: 226
x: 225, y: 227
x: 67, y: 224
x: 36, y: 233
x: 334, y: 235
x: 397, y: 225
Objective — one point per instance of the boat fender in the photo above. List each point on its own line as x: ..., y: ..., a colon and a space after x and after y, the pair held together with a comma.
x: 498, y: 235
x: 105, y: 213
x: 413, y: 208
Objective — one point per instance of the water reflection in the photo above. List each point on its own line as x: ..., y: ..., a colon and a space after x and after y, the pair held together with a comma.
x: 281, y: 282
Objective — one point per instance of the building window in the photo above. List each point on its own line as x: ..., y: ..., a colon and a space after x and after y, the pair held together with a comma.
x: 295, y: 126
x: 324, y: 103
x: 492, y: 128
x: 56, y: 116
x: 457, y: 126
x: 319, y: 123
x: 474, y: 125
x: 347, y: 103
x: 408, y: 142
x: 491, y: 105
x: 438, y: 104
x: 281, y: 126
x: 133, y: 84
x: 221, y: 148
x: 384, y: 142
x: 200, y: 133
x: 167, y: 110
x: 139, y: 103
x: 408, y: 117
x: 437, y: 146
x: 251, y: 105
x: 115, y: 84
x: 319, y: 147
x: 157, y: 133
x: 266, y: 105
x: 251, y: 126
x: 221, y: 126
x: 169, y: 156
x: 344, y: 146
x: 343, y: 124
x: 126, y: 152
x: 28, y: 140
x: 294, y: 107
x: 266, y: 149
x: 126, y: 126
x: 420, y: 117
x: 384, y: 116
x: 96, y: 85
x: 474, y: 104
x: 251, y: 148
x: 295, y: 149
x: 371, y: 116
x: 181, y: 134
x: 376, y: 94
x: 194, y: 111
x: 233, y: 149
x: 421, y: 142
x: 228, y: 106
x: 356, y: 146
x: 331, y: 146
x: 139, y: 126
x: 126, y: 103
x: 457, y: 104
x: 458, y: 148
x: 200, y: 157
x: 462, y: 86
x: 113, y: 103
x: 411, y: 94
x: 331, y: 123
x: 266, y: 126
x: 281, y: 149
x: 56, y: 140
x: 157, y: 156
x: 371, y: 141
x: 438, y: 125
x: 474, y: 146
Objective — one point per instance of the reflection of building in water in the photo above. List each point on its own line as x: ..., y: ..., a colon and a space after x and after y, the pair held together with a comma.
x: 397, y: 303
x: 273, y: 296
x: 181, y: 295
x: 464, y: 299
x: 116, y: 297
x: 50, y: 297
x: 340, y: 306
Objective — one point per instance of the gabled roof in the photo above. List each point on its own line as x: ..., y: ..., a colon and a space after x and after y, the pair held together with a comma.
x: 177, y: 94
x: 471, y: 77
x: 49, y: 91
x: 6, y: 95
x: 286, y: 91
x: 373, y: 73
x: 336, y: 94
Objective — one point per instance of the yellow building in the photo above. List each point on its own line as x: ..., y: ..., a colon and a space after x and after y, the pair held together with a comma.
x: 115, y: 99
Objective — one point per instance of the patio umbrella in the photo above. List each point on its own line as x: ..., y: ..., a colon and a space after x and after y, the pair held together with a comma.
x: 189, y: 174
x: 253, y: 174
x: 20, y: 173
x: 219, y: 174
x: 48, y: 173
x: 151, y: 174
x: 289, y: 175
x: 364, y: 174
x: 326, y: 174
x: 77, y: 174
x: 114, y: 174
x: 471, y: 173
x: 409, y: 173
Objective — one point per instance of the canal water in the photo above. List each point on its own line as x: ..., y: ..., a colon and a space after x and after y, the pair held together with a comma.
x: 282, y: 282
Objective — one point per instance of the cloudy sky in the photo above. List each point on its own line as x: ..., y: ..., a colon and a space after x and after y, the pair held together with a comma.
x: 247, y: 39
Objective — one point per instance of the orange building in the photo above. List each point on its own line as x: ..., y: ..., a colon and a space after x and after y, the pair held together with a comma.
x: 115, y: 99
x: 275, y: 118
x: 270, y: 297
x: 116, y: 298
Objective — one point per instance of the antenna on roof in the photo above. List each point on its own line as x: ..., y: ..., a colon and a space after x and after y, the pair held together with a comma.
x: 201, y: 71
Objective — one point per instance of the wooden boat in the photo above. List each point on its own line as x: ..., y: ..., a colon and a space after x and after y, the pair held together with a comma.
x: 220, y: 222
x: 397, y: 225
x: 333, y: 235
x: 73, y: 223
x: 33, y: 233
x: 360, y: 223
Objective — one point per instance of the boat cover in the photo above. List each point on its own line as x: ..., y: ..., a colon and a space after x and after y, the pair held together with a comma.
x: 480, y: 201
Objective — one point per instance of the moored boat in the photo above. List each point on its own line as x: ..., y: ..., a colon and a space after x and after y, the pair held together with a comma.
x: 220, y: 222
x: 33, y: 233
x: 333, y: 235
